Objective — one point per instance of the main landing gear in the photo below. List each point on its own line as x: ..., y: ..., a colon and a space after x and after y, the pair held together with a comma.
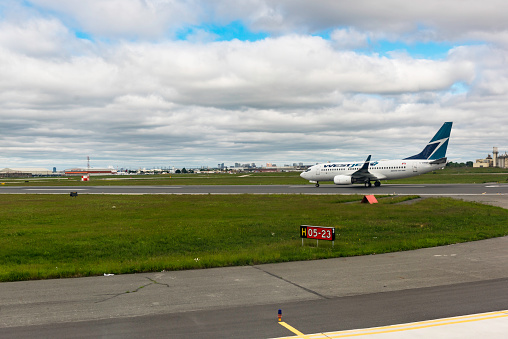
x: 377, y: 183
x: 368, y: 183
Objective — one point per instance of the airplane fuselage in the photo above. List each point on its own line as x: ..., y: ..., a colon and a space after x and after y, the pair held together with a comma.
x: 379, y: 170
x: 432, y: 157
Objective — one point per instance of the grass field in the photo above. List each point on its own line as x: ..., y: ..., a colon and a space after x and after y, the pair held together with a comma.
x: 464, y: 175
x: 53, y: 236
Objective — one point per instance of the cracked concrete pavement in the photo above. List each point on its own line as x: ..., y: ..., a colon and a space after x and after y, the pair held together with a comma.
x: 92, y: 298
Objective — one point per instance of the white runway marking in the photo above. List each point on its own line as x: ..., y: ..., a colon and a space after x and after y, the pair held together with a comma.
x: 414, y: 186
x: 56, y: 189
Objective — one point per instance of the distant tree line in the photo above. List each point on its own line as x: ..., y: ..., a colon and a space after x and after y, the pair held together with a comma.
x: 459, y: 164
x: 183, y: 170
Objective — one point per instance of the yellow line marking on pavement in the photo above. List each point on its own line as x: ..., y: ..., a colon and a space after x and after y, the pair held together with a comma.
x: 294, y: 330
x: 401, y: 327
x: 414, y: 326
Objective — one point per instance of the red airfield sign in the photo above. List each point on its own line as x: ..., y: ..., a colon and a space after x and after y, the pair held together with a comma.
x: 317, y: 232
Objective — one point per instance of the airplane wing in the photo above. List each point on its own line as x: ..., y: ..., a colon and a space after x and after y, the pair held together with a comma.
x: 363, y: 173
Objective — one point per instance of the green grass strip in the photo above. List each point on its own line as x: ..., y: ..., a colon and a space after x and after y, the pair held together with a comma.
x: 55, y: 236
x: 464, y: 175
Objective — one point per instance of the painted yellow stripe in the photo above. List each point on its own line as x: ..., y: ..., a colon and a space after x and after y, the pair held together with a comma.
x: 294, y: 330
x: 415, y: 326
x: 401, y: 327
x: 421, y: 325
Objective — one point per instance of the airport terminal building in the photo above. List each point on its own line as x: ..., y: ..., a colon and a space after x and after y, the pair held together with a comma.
x: 495, y: 160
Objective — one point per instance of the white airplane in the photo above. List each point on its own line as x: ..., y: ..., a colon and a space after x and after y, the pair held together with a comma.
x: 431, y: 158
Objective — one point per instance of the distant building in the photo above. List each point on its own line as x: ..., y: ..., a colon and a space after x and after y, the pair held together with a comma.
x: 23, y: 172
x: 90, y: 171
x: 487, y: 162
x: 495, y: 160
x: 499, y: 160
x: 267, y: 169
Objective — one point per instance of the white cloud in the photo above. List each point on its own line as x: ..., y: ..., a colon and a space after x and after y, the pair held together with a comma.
x: 37, y: 37
x: 349, y: 39
x: 394, y: 19
x: 287, y: 98
x: 448, y: 20
x: 149, y: 19
x: 288, y: 71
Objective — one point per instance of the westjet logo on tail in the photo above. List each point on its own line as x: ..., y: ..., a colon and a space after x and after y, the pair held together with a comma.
x: 436, y: 148
x: 432, y: 157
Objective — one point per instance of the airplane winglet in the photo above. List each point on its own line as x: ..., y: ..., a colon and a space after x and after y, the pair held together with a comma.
x: 365, y: 167
x: 364, y: 170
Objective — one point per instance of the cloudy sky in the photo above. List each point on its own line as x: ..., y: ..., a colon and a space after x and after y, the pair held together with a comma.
x: 149, y: 83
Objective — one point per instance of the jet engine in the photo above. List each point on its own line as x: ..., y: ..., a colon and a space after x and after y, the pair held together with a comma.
x: 342, y: 180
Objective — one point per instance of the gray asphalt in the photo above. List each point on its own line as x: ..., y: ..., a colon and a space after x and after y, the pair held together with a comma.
x: 242, y: 302
x: 463, y: 190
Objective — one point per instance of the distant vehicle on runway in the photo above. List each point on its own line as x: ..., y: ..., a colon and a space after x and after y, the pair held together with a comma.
x: 431, y: 158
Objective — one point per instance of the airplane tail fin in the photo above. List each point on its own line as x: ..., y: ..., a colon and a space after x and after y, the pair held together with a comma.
x: 436, y: 148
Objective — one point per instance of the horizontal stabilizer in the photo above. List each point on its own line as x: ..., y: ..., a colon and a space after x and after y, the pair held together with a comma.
x: 439, y: 161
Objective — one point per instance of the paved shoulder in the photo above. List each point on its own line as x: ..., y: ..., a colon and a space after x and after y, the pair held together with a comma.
x: 68, y: 300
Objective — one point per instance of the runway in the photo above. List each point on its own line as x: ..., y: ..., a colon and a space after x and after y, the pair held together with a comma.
x: 457, y: 189
x: 242, y: 302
